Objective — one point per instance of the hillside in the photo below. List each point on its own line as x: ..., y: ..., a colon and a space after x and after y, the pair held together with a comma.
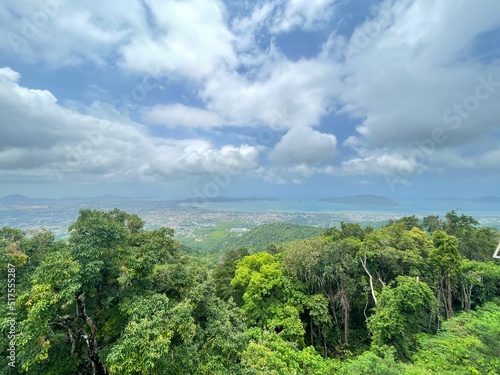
x: 432, y: 305
x: 15, y: 198
x: 264, y: 235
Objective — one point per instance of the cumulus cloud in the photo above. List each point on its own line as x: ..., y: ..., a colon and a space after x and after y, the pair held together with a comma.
x: 490, y: 159
x: 295, y: 174
x: 41, y: 137
x: 178, y: 115
x: 304, y: 14
x: 382, y: 164
x: 61, y: 33
x: 185, y: 38
x: 406, y: 71
x: 190, y: 38
x: 303, y: 145
x: 285, y: 94
x: 415, y: 66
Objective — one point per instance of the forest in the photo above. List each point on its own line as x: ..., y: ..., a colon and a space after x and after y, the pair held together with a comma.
x: 416, y: 296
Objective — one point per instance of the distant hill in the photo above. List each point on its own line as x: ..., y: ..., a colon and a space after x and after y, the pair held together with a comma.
x: 16, y: 198
x: 264, y: 235
x: 373, y: 200
x: 228, y: 199
x: 485, y: 199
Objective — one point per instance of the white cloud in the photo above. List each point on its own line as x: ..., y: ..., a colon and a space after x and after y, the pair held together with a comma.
x: 307, y: 170
x: 190, y: 38
x: 186, y: 38
x: 295, y: 174
x: 60, y: 33
x: 44, y: 139
x: 417, y: 65
x: 302, y: 145
x: 490, y: 159
x: 178, y: 115
x: 382, y: 164
x: 281, y: 16
x: 410, y: 69
x: 285, y: 94
x: 304, y: 14
x: 271, y: 175
x: 247, y: 27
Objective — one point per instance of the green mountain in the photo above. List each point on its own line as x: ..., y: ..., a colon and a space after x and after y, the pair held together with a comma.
x: 264, y: 235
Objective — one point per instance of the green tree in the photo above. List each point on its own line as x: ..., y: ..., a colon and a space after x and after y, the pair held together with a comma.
x: 268, y: 353
x: 302, y: 261
x: 340, y: 269
x: 381, y: 363
x: 466, y: 344
x: 409, y: 222
x: 351, y: 230
x: 393, y: 251
x: 158, y: 338
x: 479, y: 282
x: 446, y: 262
x: 405, y: 308
x: 270, y: 299
x: 224, y: 272
x: 69, y: 307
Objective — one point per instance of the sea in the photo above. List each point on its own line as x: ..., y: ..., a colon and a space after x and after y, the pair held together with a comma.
x: 487, y: 214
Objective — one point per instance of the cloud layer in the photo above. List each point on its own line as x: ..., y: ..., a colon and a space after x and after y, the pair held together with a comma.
x: 418, y: 82
x: 40, y: 136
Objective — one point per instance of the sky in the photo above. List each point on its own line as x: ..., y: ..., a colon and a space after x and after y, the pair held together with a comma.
x: 211, y: 98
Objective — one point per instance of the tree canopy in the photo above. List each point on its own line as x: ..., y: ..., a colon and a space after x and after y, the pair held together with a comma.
x: 417, y: 296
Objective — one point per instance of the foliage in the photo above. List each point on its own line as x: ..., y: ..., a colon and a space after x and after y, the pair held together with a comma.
x: 118, y: 299
x: 224, y: 272
x: 474, y: 243
x: 467, y: 344
x: 158, y: 338
x: 268, y: 353
x: 270, y: 299
x: 405, y: 308
x: 264, y: 235
x: 381, y: 363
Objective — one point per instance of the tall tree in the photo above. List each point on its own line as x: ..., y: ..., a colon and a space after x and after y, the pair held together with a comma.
x: 340, y: 270
x: 446, y: 261
x: 404, y: 309
x: 270, y: 299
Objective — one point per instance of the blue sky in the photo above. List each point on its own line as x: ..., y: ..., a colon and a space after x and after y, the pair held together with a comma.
x: 177, y: 99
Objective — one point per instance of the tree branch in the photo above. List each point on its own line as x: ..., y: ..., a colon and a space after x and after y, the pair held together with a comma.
x: 97, y: 365
x: 363, y: 263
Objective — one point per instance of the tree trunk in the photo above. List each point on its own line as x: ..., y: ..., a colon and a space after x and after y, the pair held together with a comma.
x: 448, y: 297
x: 311, y: 328
x: 363, y: 263
x: 466, y: 295
x: 331, y: 300
x: 345, y: 306
x: 97, y: 365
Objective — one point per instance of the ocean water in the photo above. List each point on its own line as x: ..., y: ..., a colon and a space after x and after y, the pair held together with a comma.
x: 485, y: 213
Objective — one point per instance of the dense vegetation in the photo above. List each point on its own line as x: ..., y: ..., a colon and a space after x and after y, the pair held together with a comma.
x: 413, y: 297
x: 267, y: 234
x: 220, y: 237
